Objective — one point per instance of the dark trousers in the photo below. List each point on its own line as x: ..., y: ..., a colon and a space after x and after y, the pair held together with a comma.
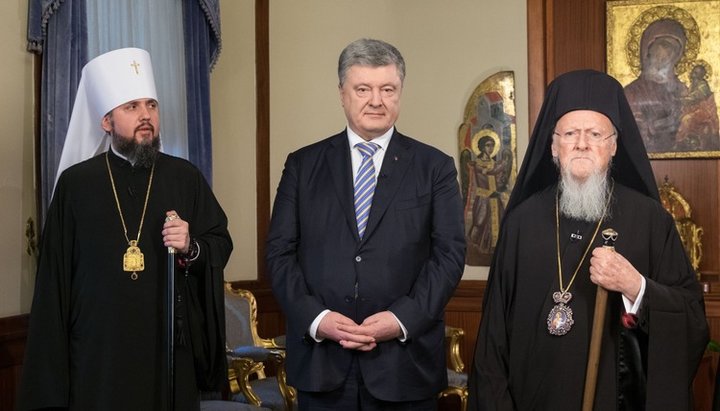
x: 354, y: 396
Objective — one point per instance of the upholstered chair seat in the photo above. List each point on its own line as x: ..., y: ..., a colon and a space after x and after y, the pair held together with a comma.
x: 248, y: 355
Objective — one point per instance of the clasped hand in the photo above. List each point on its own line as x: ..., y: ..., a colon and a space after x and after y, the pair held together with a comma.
x: 612, y: 271
x: 376, y: 328
x: 176, y: 232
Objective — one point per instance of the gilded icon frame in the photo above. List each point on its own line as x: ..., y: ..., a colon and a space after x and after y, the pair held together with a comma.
x: 487, y: 144
x: 667, y: 56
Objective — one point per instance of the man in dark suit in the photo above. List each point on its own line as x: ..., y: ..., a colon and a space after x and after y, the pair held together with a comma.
x: 365, y: 249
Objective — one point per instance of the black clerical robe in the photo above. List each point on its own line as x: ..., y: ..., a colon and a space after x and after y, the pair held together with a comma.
x: 519, y: 365
x: 96, y: 338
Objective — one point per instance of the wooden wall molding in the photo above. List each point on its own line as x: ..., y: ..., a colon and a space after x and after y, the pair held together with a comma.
x: 262, y: 136
x: 464, y: 311
x: 537, y: 57
x: 13, y: 334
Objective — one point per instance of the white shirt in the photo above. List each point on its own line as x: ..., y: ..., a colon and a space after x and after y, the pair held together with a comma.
x: 356, y: 158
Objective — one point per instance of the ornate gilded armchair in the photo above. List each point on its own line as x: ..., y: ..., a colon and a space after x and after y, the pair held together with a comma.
x: 248, y: 354
x: 457, y: 379
x: 690, y: 233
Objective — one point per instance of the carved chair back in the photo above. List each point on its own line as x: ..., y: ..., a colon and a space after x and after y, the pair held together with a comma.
x: 690, y: 233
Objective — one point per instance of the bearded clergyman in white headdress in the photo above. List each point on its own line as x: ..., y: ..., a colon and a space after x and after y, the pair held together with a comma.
x: 96, y: 336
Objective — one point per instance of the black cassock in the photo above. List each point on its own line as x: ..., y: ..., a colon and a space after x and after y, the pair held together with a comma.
x: 520, y: 365
x: 96, y: 337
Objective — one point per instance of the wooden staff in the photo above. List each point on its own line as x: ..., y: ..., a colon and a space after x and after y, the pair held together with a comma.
x: 609, y: 236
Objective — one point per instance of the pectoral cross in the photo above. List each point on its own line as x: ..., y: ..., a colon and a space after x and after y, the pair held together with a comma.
x: 135, y: 65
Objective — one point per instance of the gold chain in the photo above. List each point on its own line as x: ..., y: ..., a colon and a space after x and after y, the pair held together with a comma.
x: 117, y: 200
x: 592, y: 240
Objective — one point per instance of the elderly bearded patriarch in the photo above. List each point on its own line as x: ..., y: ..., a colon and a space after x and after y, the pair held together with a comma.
x: 586, y: 170
x: 583, y: 195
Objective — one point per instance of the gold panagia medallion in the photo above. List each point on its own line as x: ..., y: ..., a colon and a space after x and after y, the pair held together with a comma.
x: 133, y: 260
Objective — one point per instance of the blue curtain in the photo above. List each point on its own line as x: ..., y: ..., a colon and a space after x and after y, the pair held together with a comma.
x: 202, y: 47
x: 58, y: 30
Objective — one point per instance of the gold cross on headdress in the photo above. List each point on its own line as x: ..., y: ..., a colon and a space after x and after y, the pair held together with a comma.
x: 135, y: 65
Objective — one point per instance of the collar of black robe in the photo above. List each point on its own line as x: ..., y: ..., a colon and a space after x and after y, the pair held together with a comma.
x: 131, y: 183
x: 584, y: 90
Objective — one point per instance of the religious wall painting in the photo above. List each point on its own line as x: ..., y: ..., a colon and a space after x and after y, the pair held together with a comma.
x: 667, y: 55
x: 488, y: 163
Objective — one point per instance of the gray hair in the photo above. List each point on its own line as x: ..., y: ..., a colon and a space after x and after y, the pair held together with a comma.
x: 370, y: 52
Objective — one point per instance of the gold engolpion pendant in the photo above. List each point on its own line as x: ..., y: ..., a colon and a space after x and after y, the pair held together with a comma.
x: 133, y: 260
x: 560, y: 319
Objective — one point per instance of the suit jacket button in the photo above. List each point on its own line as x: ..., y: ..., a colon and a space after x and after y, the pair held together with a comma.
x: 358, y: 258
x: 348, y: 299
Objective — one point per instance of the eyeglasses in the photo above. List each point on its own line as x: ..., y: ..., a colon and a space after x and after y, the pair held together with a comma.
x: 594, y: 138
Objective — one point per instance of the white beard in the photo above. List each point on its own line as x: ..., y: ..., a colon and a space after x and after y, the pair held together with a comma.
x: 584, y: 201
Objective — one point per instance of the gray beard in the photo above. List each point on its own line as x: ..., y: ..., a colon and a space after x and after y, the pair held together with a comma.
x: 584, y: 201
x: 139, y: 155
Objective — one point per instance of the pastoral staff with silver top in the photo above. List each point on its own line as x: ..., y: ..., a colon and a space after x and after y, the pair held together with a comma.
x: 586, y: 170
x: 609, y: 237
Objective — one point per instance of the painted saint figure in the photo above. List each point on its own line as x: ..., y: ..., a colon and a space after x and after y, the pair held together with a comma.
x: 486, y: 196
x: 656, y: 95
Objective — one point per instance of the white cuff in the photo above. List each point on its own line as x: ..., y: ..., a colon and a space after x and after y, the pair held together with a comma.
x: 315, y: 324
x: 402, y: 328
x: 631, y: 308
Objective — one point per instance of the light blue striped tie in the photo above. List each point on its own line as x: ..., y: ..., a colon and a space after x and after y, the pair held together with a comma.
x: 364, y: 185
